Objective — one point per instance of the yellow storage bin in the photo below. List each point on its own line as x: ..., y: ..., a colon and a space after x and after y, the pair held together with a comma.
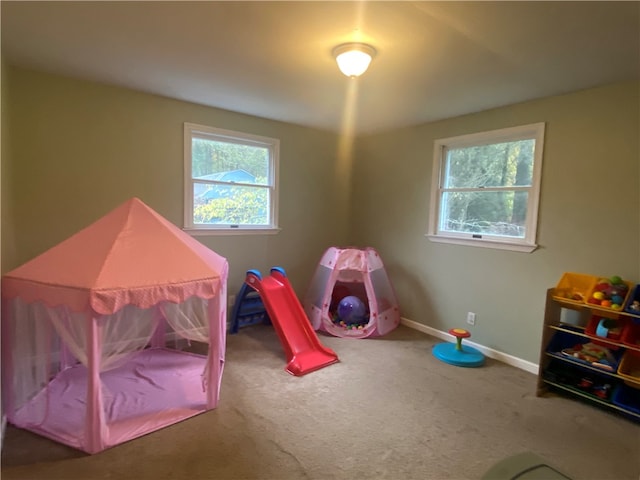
x: 629, y: 368
x: 574, y: 287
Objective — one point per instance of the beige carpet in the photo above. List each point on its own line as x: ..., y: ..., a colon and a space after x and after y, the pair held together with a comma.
x: 388, y: 410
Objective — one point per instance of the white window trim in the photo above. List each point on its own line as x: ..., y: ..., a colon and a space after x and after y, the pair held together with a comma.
x: 273, y: 144
x: 527, y: 244
x: 204, y: 231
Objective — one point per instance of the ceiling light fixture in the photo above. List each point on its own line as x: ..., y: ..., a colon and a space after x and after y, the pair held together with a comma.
x: 353, y: 58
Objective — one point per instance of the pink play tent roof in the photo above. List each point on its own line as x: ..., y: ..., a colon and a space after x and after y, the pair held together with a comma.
x: 93, y: 268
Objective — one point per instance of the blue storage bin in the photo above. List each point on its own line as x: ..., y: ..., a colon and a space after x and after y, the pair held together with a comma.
x: 627, y: 398
x: 562, y: 340
x: 569, y: 347
x: 630, y: 306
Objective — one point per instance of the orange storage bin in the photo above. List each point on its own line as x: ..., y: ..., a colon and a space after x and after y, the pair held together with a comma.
x: 574, y: 287
x: 629, y: 368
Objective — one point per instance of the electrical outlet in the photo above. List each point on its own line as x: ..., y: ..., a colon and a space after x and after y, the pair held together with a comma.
x: 231, y: 300
x: 471, y: 318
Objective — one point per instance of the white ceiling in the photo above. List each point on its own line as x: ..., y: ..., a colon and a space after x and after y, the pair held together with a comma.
x: 273, y: 59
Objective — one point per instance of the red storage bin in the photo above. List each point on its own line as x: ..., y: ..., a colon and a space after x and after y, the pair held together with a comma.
x: 631, y: 335
x: 614, y: 333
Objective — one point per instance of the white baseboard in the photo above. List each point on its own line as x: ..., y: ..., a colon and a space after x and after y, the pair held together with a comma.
x: 489, y: 352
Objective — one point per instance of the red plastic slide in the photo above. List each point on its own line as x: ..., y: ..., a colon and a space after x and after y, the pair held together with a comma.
x: 303, y: 349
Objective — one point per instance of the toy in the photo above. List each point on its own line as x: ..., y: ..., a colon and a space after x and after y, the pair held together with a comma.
x: 248, y: 309
x: 609, y: 293
x: 169, y: 276
x: 616, y: 280
x: 589, y: 385
x: 303, y: 349
x: 602, y: 391
x: 344, y: 272
x: 592, y: 354
x: 351, y: 310
x: 458, y: 354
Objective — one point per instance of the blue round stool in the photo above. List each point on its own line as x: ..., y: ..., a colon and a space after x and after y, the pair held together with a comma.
x: 458, y: 354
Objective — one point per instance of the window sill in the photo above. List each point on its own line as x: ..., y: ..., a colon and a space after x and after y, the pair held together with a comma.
x: 197, y: 232
x: 484, y: 243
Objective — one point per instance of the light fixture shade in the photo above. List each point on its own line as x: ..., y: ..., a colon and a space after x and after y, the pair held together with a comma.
x: 353, y: 58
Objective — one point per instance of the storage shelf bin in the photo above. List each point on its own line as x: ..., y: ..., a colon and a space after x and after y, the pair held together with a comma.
x: 587, y: 384
x: 630, y: 306
x: 623, y: 293
x: 574, y: 287
x: 627, y: 398
x: 614, y: 335
x: 631, y: 335
x: 630, y: 368
x: 582, y: 351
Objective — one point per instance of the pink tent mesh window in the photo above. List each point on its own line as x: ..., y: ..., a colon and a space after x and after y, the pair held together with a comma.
x: 344, y: 272
x: 93, y: 331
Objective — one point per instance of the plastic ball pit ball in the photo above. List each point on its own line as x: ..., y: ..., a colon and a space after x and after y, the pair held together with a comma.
x: 617, y: 299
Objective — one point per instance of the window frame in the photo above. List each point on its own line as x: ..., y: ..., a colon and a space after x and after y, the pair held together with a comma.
x: 230, y: 136
x: 527, y: 244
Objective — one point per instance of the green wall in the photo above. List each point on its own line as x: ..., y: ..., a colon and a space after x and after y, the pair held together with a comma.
x: 588, y: 220
x: 7, y: 236
x: 73, y: 150
x: 79, y: 149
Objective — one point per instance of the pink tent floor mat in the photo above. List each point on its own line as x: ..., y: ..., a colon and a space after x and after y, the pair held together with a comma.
x: 153, y: 390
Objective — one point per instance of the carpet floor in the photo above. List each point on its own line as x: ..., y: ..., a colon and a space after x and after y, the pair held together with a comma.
x: 388, y: 410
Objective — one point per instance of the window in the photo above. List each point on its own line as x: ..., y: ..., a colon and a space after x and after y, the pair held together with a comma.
x: 230, y: 181
x: 485, y: 188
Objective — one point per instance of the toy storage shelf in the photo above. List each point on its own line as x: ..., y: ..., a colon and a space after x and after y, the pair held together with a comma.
x: 559, y: 373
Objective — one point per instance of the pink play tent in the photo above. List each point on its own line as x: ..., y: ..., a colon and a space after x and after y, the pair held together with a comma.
x: 357, y: 272
x: 92, y: 331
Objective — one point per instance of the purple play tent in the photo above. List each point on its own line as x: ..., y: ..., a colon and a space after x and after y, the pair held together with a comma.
x: 344, y: 272
x: 92, y: 331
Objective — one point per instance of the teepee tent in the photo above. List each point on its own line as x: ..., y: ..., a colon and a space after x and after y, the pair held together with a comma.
x: 346, y: 273
x: 90, y: 331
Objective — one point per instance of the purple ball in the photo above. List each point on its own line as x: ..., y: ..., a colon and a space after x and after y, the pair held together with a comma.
x: 351, y: 310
